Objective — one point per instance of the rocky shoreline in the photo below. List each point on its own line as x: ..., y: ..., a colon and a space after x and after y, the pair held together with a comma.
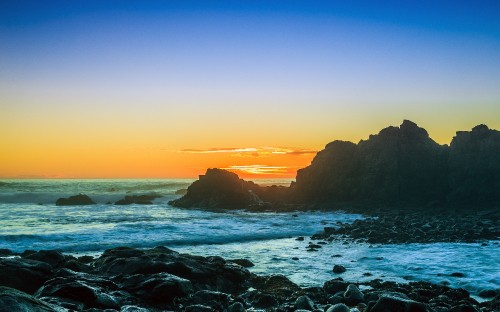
x: 419, y: 226
x: 159, y: 279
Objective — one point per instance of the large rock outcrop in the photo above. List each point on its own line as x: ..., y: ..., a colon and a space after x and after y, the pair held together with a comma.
x: 403, y: 166
x: 474, y: 166
x: 399, y: 165
x: 221, y: 189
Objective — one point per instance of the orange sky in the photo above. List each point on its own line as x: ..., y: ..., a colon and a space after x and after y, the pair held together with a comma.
x: 167, y: 89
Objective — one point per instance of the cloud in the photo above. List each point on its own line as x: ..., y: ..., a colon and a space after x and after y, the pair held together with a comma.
x: 260, y: 169
x: 251, y: 151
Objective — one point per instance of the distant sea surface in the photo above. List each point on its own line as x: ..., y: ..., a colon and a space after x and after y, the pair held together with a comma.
x: 29, y: 219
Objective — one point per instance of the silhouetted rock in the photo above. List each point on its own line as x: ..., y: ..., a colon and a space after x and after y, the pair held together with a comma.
x: 77, y: 200
x: 221, y: 189
x: 137, y: 199
x: 398, y: 165
x: 403, y: 167
x: 474, y: 166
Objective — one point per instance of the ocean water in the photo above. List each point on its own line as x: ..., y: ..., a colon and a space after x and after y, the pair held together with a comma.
x: 29, y: 219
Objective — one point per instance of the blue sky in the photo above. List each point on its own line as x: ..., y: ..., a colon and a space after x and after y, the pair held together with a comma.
x: 277, y: 73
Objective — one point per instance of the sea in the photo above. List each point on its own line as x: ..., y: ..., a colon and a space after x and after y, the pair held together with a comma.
x: 29, y: 219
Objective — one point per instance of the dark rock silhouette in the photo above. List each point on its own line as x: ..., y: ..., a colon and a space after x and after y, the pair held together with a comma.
x: 398, y: 167
x: 77, y: 200
x: 474, y: 166
x: 221, y: 189
x: 137, y: 199
x: 404, y: 167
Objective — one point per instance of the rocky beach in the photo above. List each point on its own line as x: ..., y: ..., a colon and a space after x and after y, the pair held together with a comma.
x: 401, y: 194
x: 160, y: 279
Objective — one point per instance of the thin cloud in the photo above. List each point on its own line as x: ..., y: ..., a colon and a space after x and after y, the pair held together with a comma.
x: 251, y: 151
x: 260, y: 169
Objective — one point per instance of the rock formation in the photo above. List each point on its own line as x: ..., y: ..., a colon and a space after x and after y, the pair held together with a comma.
x: 398, y: 167
x: 221, y: 189
x: 76, y: 200
x: 403, y: 166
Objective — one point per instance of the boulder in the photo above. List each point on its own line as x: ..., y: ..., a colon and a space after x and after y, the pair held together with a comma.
x: 53, y: 257
x: 339, y: 307
x: 353, y: 295
x: 304, y: 303
x: 24, y: 274
x: 157, y: 288
x: 76, y: 200
x: 388, y: 303
x: 243, y: 262
x: 338, y: 269
x: 13, y: 300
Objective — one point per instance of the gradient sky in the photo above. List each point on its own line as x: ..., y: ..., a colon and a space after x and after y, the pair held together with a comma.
x: 169, y: 88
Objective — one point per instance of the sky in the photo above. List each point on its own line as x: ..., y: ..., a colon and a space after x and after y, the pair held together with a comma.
x: 153, y: 89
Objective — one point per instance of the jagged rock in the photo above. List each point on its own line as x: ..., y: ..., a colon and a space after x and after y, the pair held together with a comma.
x: 218, y: 189
x: 221, y: 189
x: 24, y: 274
x: 399, y: 165
x: 474, y: 166
x: 13, y: 300
x: 77, y: 200
x: 338, y: 269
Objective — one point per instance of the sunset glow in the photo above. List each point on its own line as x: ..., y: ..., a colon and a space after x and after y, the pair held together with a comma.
x: 100, y: 89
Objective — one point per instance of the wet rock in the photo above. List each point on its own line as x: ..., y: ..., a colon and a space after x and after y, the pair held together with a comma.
x: 463, y: 308
x: 24, y: 274
x: 137, y: 199
x: 489, y: 293
x: 353, y: 295
x: 158, y: 288
x: 457, y: 274
x: 265, y: 301
x: 334, y: 286
x: 53, y: 257
x: 13, y: 300
x: 77, y: 200
x: 304, y: 303
x: 338, y: 269
x: 243, y: 262
x: 236, y: 307
x: 388, y: 303
x: 198, y: 308
x: 214, y: 299
x: 92, y: 295
x: 339, y: 307
x: 131, y: 308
